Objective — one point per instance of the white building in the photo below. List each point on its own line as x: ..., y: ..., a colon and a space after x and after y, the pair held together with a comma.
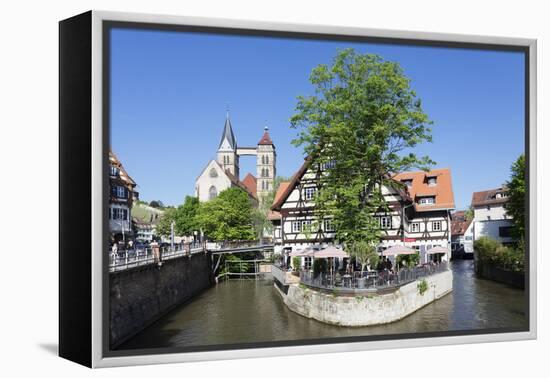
x: 122, y: 189
x: 490, y: 217
x: 223, y: 173
x: 419, y: 215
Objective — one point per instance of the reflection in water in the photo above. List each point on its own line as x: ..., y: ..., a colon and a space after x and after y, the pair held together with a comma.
x: 252, y: 311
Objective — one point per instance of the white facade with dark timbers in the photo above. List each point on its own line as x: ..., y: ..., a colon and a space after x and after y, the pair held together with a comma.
x: 419, y: 215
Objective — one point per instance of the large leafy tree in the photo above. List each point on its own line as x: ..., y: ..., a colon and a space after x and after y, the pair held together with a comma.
x: 516, y: 191
x: 184, y: 218
x: 362, y: 124
x: 227, y: 217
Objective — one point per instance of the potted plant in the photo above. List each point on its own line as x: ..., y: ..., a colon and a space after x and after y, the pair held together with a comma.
x: 365, y: 254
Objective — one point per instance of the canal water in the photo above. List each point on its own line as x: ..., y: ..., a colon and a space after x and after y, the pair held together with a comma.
x: 253, y: 311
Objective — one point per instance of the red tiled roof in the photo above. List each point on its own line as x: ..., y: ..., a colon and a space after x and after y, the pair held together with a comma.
x: 251, y: 185
x: 488, y: 197
x: 124, y: 176
x: 459, y: 227
x: 442, y: 190
x: 266, y: 139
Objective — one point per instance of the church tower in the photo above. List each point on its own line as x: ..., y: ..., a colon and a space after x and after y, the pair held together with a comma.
x: 265, y: 165
x: 227, y: 150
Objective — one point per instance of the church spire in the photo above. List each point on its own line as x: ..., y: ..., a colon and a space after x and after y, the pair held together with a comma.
x: 228, y: 141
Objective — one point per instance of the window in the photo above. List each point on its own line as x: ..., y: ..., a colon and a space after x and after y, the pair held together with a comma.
x: 436, y: 226
x: 488, y: 207
x: 114, y: 171
x: 267, y: 172
x: 414, y: 227
x: 212, y: 192
x: 307, y: 262
x: 328, y: 165
x: 488, y: 217
x: 213, y: 172
x: 121, y: 192
x: 407, y: 182
x: 266, y: 159
x: 329, y: 226
x: 119, y: 214
x: 432, y: 181
x: 426, y: 200
x: 296, y: 226
x: 385, y: 222
x: 309, y: 193
x: 505, y: 231
x: 306, y: 225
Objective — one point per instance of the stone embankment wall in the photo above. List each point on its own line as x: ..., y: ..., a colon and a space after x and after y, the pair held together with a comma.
x: 366, y: 310
x: 139, y: 296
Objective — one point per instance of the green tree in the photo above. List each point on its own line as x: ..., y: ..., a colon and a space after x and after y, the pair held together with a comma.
x: 364, y: 253
x: 227, y: 217
x: 361, y: 125
x: 469, y: 214
x: 163, y: 227
x: 186, y: 216
x: 516, y: 191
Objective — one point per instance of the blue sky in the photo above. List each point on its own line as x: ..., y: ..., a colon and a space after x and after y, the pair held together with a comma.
x: 169, y: 92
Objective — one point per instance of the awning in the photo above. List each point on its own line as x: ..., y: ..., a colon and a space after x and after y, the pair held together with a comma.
x: 330, y: 251
x: 435, y: 250
x: 304, y: 252
x: 398, y: 250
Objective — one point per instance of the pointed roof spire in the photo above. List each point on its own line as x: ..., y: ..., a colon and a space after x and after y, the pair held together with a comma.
x: 228, y: 134
x: 266, y: 139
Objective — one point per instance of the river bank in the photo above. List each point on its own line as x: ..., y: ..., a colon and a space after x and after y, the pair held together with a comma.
x: 252, y: 311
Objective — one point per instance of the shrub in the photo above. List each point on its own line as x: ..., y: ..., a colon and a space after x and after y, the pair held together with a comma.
x: 409, y: 261
x: 508, y: 258
x: 296, y: 262
x: 422, y: 287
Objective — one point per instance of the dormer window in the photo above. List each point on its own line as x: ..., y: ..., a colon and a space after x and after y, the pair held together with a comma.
x: 432, y: 181
x: 114, y: 171
x: 426, y: 200
x: 407, y: 182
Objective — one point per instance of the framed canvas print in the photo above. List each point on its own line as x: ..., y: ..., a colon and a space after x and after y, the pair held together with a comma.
x: 233, y: 189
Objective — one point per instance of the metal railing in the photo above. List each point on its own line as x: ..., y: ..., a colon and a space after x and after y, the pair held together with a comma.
x: 132, y: 258
x: 371, y: 280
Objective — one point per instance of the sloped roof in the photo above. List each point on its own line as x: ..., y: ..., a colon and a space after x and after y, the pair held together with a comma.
x: 442, y: 190
x: 251, y: 184
x: 123, y: 175
x: 235, y: 181
x: 228, y: 134
x: 488, y: 197
x: 459, y: 227
x: 266, y: 139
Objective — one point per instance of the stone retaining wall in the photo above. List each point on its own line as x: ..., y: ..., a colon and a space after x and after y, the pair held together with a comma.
x: 364, y: 311
x: 141, y: 295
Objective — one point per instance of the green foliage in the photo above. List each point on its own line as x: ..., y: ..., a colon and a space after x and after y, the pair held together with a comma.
x: 422, y: 287
x: 409, y: 261
x: 262, y: 225
x: 493, y: 253
x: 364, y: 253
x: 296, y: 261
x: 227, y: 217
x: 319, y: 266
x: 163, y: 227
x: 184, y: 218
x: 364, y: 119
x: 516, y: 191
x: 469, y: 214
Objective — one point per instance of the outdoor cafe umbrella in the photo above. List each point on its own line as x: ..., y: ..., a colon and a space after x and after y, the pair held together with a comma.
x: 304, y: 252
x: 330, y: 252
x: 437, y: 249
x: 398, y: 250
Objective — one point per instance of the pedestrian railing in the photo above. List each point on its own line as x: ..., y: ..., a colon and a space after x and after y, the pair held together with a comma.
x: 132, y: 258
x: 371, y: 280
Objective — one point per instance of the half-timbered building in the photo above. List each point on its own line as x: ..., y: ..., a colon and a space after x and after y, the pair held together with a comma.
x: 417, y: 215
